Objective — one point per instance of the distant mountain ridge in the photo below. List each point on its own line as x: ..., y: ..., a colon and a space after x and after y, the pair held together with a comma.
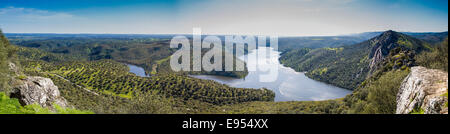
x: 431, y: 37
x: 350, y: 65
x: 285, y: 43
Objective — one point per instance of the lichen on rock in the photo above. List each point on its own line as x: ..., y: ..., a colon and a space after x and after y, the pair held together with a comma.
x: 38, y: 90
x: 422, y: 90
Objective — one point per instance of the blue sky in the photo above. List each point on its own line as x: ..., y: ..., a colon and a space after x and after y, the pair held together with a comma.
x: 266, y: 17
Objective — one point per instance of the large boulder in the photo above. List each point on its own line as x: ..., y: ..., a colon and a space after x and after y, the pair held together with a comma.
x: 38, y: 90
x: 423, y: 90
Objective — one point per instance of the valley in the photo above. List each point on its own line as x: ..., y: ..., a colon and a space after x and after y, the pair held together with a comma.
x: 131, y: 74
x: 224, y: 66
x: 289, y: 84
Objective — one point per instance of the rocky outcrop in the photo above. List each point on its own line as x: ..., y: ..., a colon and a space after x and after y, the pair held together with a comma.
x: 423, y: 90
x: 38, y: 90
x: 394, y: 50
x: 381, y: 46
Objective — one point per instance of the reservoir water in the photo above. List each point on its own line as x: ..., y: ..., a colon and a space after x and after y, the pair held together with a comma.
x: 288, y: 84
x: 139, y: 71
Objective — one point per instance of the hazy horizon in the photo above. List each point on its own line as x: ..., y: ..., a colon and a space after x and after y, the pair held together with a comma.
x: 350, y: 34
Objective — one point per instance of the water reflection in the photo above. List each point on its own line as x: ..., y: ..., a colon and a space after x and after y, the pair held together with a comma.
x: 288, y: 84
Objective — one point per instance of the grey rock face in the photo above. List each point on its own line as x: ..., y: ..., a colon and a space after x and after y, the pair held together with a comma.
x: 381, y: 47
x: 38, y: 90
x: 423, y: 89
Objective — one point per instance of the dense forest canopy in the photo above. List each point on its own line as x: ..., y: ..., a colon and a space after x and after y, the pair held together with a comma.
x: 152, y: 52
x: 376, y: 90
x: 89, y: 72
x: 348, y: 66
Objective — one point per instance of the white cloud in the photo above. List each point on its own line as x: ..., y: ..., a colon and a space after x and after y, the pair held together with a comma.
x: 31, y: 20
x: 31, y: 14
x: 267, y: 17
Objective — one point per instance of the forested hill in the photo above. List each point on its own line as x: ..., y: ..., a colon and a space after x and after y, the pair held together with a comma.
x: 433, y: 38
x: 152, y: 52
x: 374, y: 69
x: 349, y: 66
x: 312, y: 42
x: 107, y: 86
x: 430, y: 37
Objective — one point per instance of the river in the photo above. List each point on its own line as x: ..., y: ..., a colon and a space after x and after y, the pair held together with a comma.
x: 288, y: 85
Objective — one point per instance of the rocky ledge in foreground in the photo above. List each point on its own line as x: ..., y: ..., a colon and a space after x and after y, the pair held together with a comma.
x: 38, y: 90
x: 424, y: 91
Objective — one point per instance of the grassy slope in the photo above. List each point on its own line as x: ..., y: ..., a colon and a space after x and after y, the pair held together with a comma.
x: 12, y: 106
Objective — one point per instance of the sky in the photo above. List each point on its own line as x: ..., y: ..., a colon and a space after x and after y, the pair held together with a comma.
x: 244, y: 17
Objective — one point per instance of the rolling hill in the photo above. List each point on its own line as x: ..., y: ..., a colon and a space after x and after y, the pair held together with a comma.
x: 350, y: 65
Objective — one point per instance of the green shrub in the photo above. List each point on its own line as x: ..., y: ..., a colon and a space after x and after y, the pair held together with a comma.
x: 417, y: 111
x: 435, y: 59
x: 378, y: 96
x: 21, y: 77
x: 12, y: 106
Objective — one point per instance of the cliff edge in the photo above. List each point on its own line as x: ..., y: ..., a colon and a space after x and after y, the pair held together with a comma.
x: 423, y: 91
